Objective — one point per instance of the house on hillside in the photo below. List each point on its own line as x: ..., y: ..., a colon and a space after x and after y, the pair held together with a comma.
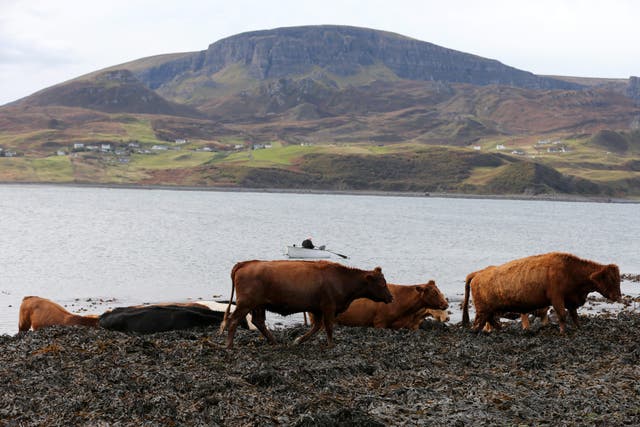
x: 500, y: 147
x: 105, y: 148
x: 159, y: 148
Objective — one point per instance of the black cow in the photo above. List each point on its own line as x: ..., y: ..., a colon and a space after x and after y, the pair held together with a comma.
x: 159, y: 318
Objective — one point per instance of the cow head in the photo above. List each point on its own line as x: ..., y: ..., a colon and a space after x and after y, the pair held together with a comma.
x: 607, y: 281
x: 439, y: 315
x: 377, y: 289
x: 431, y: 296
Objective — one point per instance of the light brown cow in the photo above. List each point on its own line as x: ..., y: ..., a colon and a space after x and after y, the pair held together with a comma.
x: 439, y: 315
x: 36, y: 313
x: 320, y: 287
x: 407, y: 311
x: 527, y: 284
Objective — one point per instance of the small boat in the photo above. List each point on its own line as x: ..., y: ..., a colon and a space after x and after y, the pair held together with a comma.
x: 300, y: 252
x: 294, y: 251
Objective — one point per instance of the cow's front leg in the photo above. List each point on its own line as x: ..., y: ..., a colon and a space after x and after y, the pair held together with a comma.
x: 315, y: 327
x: 574, y: 316
x: 328, y: 319
x: 558, y: 306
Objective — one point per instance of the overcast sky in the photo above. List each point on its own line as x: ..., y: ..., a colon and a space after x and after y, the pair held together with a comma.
x: 44, y: 42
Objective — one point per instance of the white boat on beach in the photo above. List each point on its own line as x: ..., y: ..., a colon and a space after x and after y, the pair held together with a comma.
x: 305, y: 253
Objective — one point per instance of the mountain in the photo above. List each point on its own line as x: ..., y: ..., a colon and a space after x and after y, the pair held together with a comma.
x: 111, y: 92
x: 335, y: 103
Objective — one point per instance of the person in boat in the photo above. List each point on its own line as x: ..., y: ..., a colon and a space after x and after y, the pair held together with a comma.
x: 307, y: 243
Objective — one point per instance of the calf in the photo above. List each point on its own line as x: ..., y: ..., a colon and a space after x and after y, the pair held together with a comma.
x: 409, y: 308
x: 524, y: 285
x: 36, y: 313
x: 322, y: 288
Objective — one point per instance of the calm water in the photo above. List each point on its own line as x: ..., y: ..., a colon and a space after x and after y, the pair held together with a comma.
x: 123, y: 247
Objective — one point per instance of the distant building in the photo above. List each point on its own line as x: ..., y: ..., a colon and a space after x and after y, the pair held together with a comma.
x: 159, y: 148
x: 61, y: 153
x: 180, y: 141
x: 105, y: 147
x: 78, y: 145
x: 500, y: 147
x: 477, y: 147
x: 134, y: 145
x: 518, y: 152
x: 238, y: 146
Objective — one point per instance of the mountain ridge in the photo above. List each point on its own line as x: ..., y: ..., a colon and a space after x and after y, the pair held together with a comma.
x: 364, y: 100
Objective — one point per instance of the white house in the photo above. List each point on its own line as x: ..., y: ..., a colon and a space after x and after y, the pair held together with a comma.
x: 500, y: 147
x: 180, y: 141
x: 105, y: 147
x: 78, y: 145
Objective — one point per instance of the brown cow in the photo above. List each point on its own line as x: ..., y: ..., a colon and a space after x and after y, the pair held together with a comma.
x: 36, y: 313
x: 439, y: 315
x: 320, y: 287
x: 527, y: 284
x: 408, y: 309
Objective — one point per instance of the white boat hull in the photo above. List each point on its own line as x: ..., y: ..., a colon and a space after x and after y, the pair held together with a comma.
x: 300, y: 252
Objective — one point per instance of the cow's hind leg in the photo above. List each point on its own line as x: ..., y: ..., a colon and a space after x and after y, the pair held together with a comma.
x: 234, y: 319
x: 258, y: 318
x: 480, y: 321
x: 315, y: 327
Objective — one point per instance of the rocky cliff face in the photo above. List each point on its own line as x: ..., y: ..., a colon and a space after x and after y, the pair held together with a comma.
x: 345, y: 51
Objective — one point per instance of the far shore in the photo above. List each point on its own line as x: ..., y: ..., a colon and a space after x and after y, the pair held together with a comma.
x: 379, y: 193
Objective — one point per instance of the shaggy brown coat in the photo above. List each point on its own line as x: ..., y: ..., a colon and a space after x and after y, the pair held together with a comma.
x: 527, y: 284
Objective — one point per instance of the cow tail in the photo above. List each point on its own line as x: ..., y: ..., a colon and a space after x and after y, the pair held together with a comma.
x: 465, y: 303
x: 223, y: 325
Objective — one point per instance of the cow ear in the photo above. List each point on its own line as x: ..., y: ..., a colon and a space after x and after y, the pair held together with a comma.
x: 378, y: 270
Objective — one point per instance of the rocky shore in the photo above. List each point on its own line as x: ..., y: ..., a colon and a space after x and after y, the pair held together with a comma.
x: 439, y: 375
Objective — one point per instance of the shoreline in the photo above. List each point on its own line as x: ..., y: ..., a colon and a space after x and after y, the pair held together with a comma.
x: 438, y: 375
x: 376, y: 193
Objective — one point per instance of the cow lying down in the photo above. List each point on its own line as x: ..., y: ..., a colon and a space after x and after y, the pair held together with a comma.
x: 410, y: 305
x: 558, y: 279
x: 36, y: 313
x: 162, y: 317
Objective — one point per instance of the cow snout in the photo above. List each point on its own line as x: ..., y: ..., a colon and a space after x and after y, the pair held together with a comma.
x: 388, y: 297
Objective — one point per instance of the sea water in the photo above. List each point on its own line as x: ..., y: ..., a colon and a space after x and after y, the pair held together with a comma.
x: 99, y: 248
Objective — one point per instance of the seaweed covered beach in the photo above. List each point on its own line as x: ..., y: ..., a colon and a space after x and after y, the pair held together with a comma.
x: 439, y: 375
